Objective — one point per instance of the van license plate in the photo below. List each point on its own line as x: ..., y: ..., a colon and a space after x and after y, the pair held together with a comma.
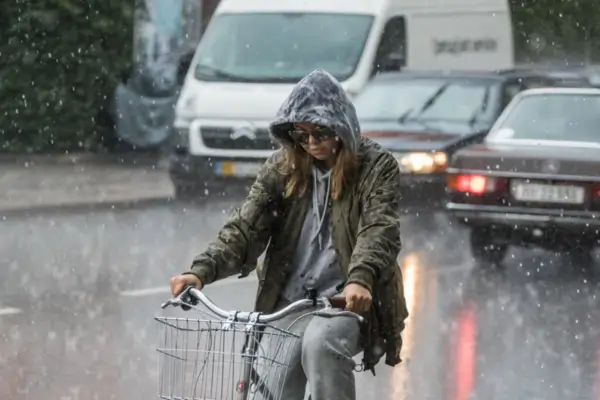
x: 237, y: 169
x: 541, y: 193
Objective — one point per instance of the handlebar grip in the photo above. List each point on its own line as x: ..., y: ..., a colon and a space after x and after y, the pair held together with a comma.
x: 187, y: 298
x: 338, y: 302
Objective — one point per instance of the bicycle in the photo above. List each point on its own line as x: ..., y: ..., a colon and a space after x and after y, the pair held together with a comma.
x: 262, y: 370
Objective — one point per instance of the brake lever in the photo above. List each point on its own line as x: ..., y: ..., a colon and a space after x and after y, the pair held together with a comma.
x: 166, y: 304
x: 185, y: 300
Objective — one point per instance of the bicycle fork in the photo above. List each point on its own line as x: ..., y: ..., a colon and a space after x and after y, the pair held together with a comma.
x: 250, y: 382
x: 248, y: 356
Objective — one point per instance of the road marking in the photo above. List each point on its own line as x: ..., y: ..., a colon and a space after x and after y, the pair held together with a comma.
x: 166, y: 289
x: 9, y: 311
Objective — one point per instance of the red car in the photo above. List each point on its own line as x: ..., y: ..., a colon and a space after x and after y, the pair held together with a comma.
x: 535, y: 179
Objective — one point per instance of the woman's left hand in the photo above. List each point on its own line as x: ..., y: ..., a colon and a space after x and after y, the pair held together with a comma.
x: 358, y: 298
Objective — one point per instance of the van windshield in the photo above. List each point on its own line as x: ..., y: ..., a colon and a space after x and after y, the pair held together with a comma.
x: 281, y: 47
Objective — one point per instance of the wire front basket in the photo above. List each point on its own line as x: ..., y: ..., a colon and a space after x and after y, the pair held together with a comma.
x: 221, y: 360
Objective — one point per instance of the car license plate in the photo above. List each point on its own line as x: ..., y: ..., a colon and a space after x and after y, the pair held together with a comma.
x: 542, y: 193
x: 237, y: 169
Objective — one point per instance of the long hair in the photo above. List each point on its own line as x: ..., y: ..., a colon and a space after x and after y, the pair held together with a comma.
x: 297, y: 164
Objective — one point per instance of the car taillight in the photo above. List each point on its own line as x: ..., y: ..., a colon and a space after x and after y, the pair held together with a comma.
x: 597, y: 191
x: 472, y: 184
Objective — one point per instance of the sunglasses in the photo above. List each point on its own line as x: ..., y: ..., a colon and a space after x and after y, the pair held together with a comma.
x: 319, y: 134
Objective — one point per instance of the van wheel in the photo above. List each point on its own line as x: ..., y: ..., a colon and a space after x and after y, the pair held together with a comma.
x: 486, y: 249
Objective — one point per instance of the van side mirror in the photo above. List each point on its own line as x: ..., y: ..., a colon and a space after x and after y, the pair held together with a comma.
x: 392, y: 62
x: 184, y: 65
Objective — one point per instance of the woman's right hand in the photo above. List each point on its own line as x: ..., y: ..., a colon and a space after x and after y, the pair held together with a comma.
x: 179, y: 282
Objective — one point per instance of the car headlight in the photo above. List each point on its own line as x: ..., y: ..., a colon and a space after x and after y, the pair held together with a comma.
x: 422, y: 162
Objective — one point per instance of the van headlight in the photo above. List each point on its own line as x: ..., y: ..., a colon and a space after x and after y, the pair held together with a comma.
x: 185, y: 108
x: 422, y: 162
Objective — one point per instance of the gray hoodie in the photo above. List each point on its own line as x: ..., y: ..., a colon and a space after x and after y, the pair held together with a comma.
x: 320, y: 99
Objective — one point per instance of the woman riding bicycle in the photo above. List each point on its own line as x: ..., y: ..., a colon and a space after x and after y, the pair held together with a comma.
x: 326, y: 209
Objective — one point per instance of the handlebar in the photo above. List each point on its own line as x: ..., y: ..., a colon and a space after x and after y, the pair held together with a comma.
x: 192, y: 296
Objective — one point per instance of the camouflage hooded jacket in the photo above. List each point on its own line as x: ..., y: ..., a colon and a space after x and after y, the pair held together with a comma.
x: 364, y: 222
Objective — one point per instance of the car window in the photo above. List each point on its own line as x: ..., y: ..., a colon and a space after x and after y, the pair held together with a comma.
x: 382, y: 101
x: 534, y: 83
x: 515, y: 86
x: 391, y: 53
x: 511, y: 89
x: 564, y: 117
x: 427, y: 99
x: 572, y: 82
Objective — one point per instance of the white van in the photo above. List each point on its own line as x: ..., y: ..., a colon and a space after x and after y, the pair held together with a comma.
x: 253, y: 52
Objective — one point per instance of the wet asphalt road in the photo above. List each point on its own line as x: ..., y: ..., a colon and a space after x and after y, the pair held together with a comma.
x: 78, y: 292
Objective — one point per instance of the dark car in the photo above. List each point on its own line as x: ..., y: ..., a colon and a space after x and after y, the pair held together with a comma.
x: 535, y: 180
x: 563, y: 76
x: 592, y: 74
x: 569, y: 79
x: 425, y: 117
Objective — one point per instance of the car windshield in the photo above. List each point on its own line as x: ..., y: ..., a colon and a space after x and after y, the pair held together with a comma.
x: 557, y: 116
x: 281, y: 47
x: 441, y: 100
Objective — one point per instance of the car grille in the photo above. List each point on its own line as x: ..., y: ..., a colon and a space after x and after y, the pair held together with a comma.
x: 220, y: 138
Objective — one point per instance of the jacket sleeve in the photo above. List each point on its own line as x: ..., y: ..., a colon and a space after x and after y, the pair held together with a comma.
x: 378, y: 241
x: 245, y: 235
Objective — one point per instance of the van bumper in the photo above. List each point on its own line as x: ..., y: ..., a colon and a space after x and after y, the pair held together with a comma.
x: 201, y: 171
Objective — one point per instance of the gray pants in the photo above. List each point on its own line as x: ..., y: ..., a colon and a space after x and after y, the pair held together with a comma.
x: 322, y: 356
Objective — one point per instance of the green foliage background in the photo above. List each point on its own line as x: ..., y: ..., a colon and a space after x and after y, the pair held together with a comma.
x: 568, y: 28
x: 59, y: 62
x: 61, y: 59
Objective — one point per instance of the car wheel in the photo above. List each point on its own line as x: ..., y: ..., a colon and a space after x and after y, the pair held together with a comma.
x: 486, y: 249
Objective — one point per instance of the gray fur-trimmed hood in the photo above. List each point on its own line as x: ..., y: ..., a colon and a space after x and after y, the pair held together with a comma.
x: 319, y: 99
